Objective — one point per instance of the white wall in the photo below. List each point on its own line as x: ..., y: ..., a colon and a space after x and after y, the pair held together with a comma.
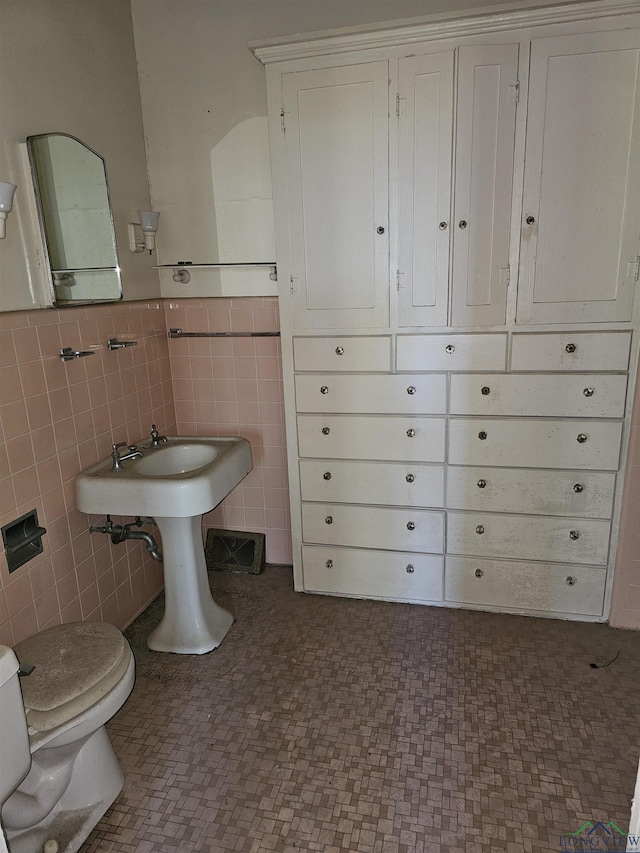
x: 69, y: 66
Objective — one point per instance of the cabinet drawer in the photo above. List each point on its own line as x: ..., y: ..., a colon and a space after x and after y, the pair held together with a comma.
x: 562, y: 540
x: 384, y: 483
x: 525, y: 586
x: 538, y: 443
x: 369, y: 354
x: 451, y: 352
x: 384, y: 394
x: 582, y: 494
x: 574, y: 396
x: 401, y: 439
x: 373, y: 527
x: 372, y: 574
x: 571, y: 351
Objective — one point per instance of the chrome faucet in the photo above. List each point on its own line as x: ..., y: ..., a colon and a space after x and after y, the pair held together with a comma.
x: 156, y: 438
x: 133, y: 453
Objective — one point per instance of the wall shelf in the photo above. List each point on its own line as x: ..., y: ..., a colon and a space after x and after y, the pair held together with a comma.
x: 181, y: 269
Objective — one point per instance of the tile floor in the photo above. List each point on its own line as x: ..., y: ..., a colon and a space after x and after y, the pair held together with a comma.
x: 325, y: 724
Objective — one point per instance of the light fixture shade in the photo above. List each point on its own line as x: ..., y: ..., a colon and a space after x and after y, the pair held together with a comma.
x: 6, y: 196
x: 149, y: 221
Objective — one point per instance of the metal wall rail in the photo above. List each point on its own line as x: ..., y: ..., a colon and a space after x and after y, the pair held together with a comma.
x: 178, y: 333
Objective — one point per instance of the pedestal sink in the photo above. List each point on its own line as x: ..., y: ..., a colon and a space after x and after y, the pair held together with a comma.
x: 175, y: 482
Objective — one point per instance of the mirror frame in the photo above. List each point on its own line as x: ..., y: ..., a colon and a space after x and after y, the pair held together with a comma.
x: 70, y: 303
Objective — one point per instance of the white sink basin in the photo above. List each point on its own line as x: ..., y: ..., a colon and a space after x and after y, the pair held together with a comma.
x: 187, y: 476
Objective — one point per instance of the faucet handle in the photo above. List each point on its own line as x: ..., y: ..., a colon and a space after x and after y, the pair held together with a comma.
x: 116, y: 447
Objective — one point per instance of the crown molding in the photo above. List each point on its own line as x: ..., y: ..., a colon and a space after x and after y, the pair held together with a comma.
x: 440, y: 26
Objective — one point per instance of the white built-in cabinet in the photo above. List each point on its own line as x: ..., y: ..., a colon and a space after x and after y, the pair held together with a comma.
x: 458, y: 230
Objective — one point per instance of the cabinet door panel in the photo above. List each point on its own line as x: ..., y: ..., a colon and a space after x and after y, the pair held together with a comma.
x: 525, y: 586
x: 358, y: 394
x: 385, y: 483
x: 336, y: 143
x: 373, y: 527
x: 426, y: 120
x: 537, y: 443
x: 485, y: 135
x: 562, y: 540
x: 580, y: 395
x: 581, y: 187
x: 402, y: 439
x: 372, y: 574
x: 573, y: 493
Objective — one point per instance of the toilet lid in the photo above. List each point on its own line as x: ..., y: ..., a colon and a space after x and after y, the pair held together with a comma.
x: 75, y: 665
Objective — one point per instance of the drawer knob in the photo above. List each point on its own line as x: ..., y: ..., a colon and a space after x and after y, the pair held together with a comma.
x: 328, y: 519
x: 410, y: 478
x: 480, y: 529
x: 571, y: 581
x: 443, y: 225
x: 410, y: 570
x: 530, y: 220
x: 380, y: 229
x: 571, y: 348
x: 326, y: 430
x: 578, y: 487
x: 482, y: 484
x: 462, y: 224
x: 482, y: 435
x: 588, y: 392
x: 582, y: 438
x: 478, y: 573
x: 411, y: 389
x: 449, y: 348
x: 485, y: 390
x: 339, y: 350
x: 329, y: 564
x: 574, y: 534
x: 411, y: 525
x: 411, y: 433
x: 326, y: 475
x: 324, y: 389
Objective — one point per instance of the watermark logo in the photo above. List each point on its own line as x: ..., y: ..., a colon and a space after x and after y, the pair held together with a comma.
x: 599, y: 836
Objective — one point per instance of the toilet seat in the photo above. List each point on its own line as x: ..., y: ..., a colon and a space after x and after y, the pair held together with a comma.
x: 76, y: 664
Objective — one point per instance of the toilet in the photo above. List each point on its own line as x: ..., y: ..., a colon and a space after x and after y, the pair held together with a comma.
x: 58, y: 771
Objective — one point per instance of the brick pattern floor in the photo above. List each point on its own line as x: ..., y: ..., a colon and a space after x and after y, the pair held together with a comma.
x: 327, y: 724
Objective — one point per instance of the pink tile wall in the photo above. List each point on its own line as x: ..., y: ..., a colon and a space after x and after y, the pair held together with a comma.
x: 233, y: 386
x: 56, y: 419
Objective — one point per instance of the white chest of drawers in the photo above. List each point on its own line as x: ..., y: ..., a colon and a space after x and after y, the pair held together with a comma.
x: 472, y: 470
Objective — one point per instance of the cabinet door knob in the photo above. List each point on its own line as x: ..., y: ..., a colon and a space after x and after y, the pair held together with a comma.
x: 411, y: 433
x: 326, y: 430
x: 571, y: 348
x: 380, y: 229
x: 480, y: 529
x: 339, y: 350
x: 482, y: 435
x: 482, y: 484
x: 530, y: 220
x: 578, y: 487
x: 324, y: 389
x: 328, y: 519
x: 449, y: 348
x: 588, y: 392
x: 582, y: 438
x: 443, y: 225
x: 485, y: 390
x: 571, y: 581
x: 574, y: 534
x: 409, y: 478
x: 463, y: 223
x: 410, y: 570
x: 411, y: 525
x: 329, y: 564
x: 326, y: 475
x: 411, y: 389
x: 478, y: 573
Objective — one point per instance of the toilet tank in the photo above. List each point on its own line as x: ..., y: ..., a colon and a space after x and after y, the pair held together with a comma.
x: 15, y: 757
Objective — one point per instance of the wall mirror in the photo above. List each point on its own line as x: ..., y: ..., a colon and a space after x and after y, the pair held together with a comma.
x: 75, y: 216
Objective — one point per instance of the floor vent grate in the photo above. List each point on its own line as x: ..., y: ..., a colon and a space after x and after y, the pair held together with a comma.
x: 234, y: 551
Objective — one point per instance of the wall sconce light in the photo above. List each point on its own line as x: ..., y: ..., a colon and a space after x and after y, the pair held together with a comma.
x: 149, y: 225
x: 6, y: 204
